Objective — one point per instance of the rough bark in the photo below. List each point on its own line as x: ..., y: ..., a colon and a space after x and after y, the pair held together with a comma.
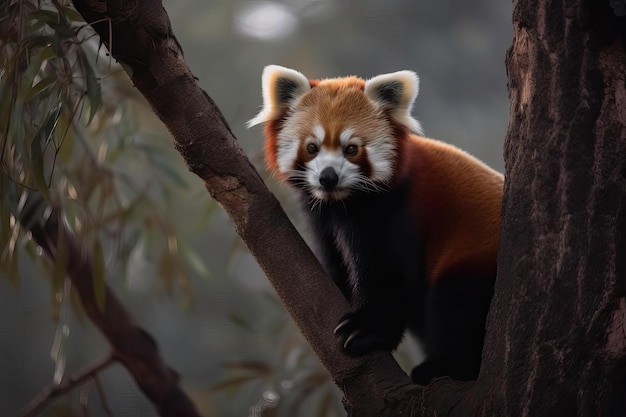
x: 556, y: 343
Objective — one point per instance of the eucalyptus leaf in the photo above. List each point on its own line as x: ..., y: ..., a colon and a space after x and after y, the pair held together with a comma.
x: 59, y: 272
x: 37, y: 168
x: 167, y: 270
x: 17, y: 130
x: 45, y: 85
x: 194, y: 260
x: 99, y: 272
x: 72, y: 14
x: 46, y: 16
x: 40, y: 140
x: 92, y: 83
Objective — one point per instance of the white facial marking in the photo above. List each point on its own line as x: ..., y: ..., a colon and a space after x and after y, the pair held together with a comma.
x: 345, y: 136
x: 286, y: 154
x: 347, y: 172
x: 381, y: 152
x: 288, y: 143
x: 318, y: 132
x: 379, y: 144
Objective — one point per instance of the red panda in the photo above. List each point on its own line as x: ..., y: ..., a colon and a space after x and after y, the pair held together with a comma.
x: 407, y: 227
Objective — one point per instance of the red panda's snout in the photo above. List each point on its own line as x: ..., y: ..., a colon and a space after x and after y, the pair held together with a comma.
x: 328, y: 179
x: 329, y: 175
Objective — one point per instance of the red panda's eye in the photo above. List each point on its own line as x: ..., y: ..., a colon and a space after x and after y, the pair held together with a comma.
x: 351, y: 150
x: 312, y: 148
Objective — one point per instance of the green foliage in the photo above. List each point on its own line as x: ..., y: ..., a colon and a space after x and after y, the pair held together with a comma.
x: 69, y: 130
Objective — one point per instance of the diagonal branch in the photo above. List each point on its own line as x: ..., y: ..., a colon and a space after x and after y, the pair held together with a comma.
x: 51, y: 392
x: 130, y: 344
x: 139, y: 35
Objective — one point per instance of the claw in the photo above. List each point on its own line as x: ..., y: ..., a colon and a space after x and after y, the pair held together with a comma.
x: 340, y: 325
x: 352, y: 336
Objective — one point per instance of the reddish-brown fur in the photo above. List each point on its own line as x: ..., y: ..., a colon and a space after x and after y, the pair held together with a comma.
x: 456, y: 199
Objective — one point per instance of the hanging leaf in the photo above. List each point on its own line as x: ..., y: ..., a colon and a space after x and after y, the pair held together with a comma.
x: 32, y: 70
x: 67, y: 135
x: 72, y: 14
x: 6, y: 108
x: 9, y: 235
x: 58, y: 351
x: 167, y: 270
x: 241, y: 322
x: 99, y: 271
x: 94, y: 93
x: 77, y: 306
x: 47, y: 127
x: 41, y: 138
x: 191, y: 257
x: 36, y: 160
x: 47, y: 53
x: 17, y: 130
x: 42, y: 88
x: 46, y: 16
x: 59, y: 271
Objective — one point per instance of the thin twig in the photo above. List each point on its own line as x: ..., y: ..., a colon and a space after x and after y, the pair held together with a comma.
x: 53, y: 391
x: 84, y: 398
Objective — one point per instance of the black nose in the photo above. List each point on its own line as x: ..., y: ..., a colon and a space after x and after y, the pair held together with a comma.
x: 328, y: 178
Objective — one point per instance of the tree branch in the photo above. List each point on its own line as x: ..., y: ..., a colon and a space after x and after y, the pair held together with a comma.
x: 131, y: 344
x: 51, y: 392
x: 138, y: 33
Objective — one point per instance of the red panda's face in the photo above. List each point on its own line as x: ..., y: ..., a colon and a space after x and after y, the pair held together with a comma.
x: 337, y: 136
x: 334, y: 141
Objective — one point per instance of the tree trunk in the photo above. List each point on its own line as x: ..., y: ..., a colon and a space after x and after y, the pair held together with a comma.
x: 556, y: 344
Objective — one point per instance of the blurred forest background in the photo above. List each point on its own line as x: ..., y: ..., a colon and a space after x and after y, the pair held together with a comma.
x: 175, y: 260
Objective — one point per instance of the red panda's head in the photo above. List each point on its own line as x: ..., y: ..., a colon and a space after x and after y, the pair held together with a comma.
x: 335, y: 136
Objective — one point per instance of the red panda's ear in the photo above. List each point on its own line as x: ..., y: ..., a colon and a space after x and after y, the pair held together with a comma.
x: 281, y: 88
x: 396, y: 92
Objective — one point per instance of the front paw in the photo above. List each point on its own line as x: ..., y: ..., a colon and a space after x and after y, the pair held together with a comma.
x: 359, y: 333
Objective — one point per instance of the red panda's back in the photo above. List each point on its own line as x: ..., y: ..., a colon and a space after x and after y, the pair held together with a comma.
x: 457, y: 200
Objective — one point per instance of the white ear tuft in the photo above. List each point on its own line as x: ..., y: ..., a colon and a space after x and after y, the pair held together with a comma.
x: 281, y: 88
x: 397, y: 92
